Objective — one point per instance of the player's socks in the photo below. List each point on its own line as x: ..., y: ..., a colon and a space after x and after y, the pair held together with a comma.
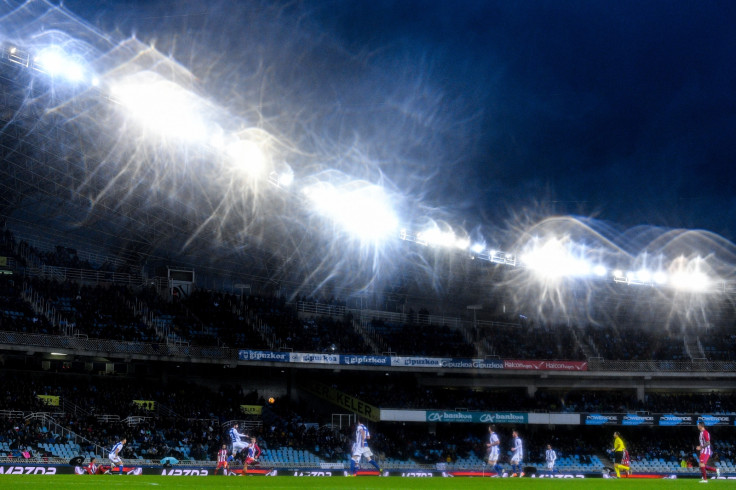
x: 352, y: 466
x: 703, y: 472
x: 712, y: 469
x: 373, y: 462
x: 618, y: 470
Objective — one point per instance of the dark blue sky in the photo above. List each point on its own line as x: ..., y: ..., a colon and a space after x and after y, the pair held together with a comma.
x: 622, y: 110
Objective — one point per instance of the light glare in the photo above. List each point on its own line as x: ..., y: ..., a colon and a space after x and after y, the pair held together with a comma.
x: 363, y: 212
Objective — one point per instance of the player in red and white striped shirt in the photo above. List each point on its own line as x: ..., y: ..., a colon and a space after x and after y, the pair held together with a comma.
x: 222, y: 460
x: 706, y: 450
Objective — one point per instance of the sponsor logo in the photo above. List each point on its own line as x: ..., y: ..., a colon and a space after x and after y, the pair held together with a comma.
x: 670, y: 419
x: 315, y: 358
x: 546, y: 365
x: 559, y: 475
x: 634, y: 419
x: 471, y: 363
x: 417, y: 474
x: 599, y: 419
x: 262, y: 355
x: 715, y: 419
x: 185, y: 472
x: 312, y: 473
x: 449, y: 417
x: 27, y: 470
x: 331, y: 466
x: 368, y: 360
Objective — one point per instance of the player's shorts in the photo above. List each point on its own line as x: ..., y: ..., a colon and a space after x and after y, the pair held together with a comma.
x: 493, y: 454
x: 516, y: 459
x: 222, y: 464
x: 703, y: 458
x: 250, y: 460
x: 618, y: 457
x: 366, y: 451
x: 550, y: 465
x: 115, y: 459
x: 239, y: 446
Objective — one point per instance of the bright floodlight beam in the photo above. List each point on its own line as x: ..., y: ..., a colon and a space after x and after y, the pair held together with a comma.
x: 162, y: 106
x: 696, y: 282
x: 363, y: 212
x: 58, y: 64
x: 439, y: 238
x: 247, y: 156
x: 553, y: 261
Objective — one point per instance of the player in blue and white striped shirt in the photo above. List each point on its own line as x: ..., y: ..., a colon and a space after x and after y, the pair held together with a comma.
x: 550, y: 456
x: 235, y: 439
x: 360, y: 449
x: 517, y: 454
x: 114, y: 455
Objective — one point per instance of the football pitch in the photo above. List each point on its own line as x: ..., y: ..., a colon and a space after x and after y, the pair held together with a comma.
x: 59, y: 482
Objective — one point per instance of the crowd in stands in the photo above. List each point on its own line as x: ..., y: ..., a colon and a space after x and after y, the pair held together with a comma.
x: 528, y: 340
x: 424, y: 340
x: 635, y: 342
x: 211, y: 318
x: 185, y: 421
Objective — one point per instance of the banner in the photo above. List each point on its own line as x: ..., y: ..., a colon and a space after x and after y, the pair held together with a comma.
x: 409, y: 361
x: 344, y: 400
x: 670, y: 420
x: 434, y: 362
x: 145, y: 404
x: 365, y: 360
x: 477, y: 417
x: 546, y: 365
x: 50, y: 400
x: 251, y: 409
x: 314, y: 358
x: 600, y: 419
x: 711, y: 420
x: 263, y: 355
x: 636, y: 419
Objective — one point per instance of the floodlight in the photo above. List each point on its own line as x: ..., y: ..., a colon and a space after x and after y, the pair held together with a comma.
x: 363, y: 211
x: 690, y: 281
x: 247, y: 156
x: 553, y: 260
x: 660, y: 277
x: 56, y: 63
x: 643, y: 276
x: 161, y: 106
x: 477, y: 248
x: 283, y: 179
x: 13, y: 50
x: 439, y: 238
x: 600, y: 271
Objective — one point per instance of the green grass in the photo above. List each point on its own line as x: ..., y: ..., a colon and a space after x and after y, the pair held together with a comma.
x: 79, y: 482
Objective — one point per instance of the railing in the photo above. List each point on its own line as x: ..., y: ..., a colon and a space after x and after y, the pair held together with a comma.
x: 84, y: 275
x: 135, y: 420
x: 597, y: 364
x: 21, y: 341
x: 65, y: 433
x: 80, y: 344
x: 73, y: 408
x: 108, y: 419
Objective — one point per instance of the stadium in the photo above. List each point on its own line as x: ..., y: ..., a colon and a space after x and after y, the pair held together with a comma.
x: 204, y: 244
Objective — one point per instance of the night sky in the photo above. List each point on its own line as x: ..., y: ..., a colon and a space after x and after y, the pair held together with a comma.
x: 624, y: 111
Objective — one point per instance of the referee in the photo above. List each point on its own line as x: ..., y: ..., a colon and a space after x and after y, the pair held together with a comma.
x: 619, y: 448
